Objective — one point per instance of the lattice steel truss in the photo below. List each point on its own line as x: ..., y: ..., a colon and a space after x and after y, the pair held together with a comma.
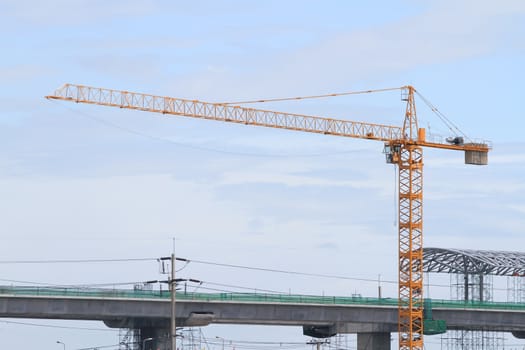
x: 486, y: 262
x: 473, y: 271
x: 410, y: 248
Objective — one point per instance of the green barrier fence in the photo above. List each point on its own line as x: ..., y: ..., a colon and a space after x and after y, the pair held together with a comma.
x: 245, y: 297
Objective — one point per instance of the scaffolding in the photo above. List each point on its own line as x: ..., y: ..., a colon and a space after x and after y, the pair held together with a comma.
x: 193, y: 339
x: 471, y: 279
x: 129, y: 339
x: 472, y: 287
x: 471, y: 340
x: 342, y: 341
x: 516, y: 289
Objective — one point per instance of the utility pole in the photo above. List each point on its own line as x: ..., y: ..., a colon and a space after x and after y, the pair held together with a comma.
x: 173, y: 288
x: 317, y: 343
x: 172, y: 283
x: 379, y: 286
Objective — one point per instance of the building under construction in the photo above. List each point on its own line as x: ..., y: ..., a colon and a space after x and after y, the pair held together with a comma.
x: 472, y: 279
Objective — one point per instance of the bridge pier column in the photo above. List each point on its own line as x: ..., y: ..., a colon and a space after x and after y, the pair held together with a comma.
x: 375, y: 341
x: 154, y: 339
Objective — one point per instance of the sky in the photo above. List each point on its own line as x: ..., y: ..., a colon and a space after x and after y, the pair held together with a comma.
x: 89, y: 182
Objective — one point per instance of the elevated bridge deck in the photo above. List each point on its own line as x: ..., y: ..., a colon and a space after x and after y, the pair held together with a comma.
x: 143, y: 308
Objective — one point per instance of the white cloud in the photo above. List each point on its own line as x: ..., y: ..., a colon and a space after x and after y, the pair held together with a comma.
x: 63, y: 12
x: 294, y: 180
x: 23, y: 72
x: 508, y: 159
x: 520, y: 208
x: 446, y: 32
x: 128, y: 206
x: 439, y: 35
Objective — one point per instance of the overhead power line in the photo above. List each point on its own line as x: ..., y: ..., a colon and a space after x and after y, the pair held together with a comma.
x: 74, y: 261
x: 57, y: 326
x: 290, y: 272
x: 114, y: 346
x: 83, y: 285
x: 254, y: 268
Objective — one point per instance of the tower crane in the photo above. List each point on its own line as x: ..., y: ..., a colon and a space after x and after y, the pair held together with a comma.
x: 403, y: 146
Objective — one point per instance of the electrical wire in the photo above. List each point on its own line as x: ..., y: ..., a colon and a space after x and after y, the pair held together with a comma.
x: 200, y: 148
x: 56, y: 326
x: 305, y: 274
x: 256, y: 347
x: 187, y: 261
x: 70, y: 261
x: 240, y: 344
x: 183, y: 267
x: 115, y: 346
x: 373, y: 280
x: 246, y: 288
x: 227, y: 290
x: 27, y: 282
x: 75, y: 261
x: 89, y: 285
x: 289, y: 272
x: 114, y: 284
x: 258, y: 342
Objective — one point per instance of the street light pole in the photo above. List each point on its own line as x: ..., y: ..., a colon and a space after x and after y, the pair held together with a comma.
x: 222, y: 341
x: 144, y: 343
x: 63, y: 345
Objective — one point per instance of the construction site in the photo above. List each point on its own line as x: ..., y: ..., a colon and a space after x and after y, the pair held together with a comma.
x: 232, y: 175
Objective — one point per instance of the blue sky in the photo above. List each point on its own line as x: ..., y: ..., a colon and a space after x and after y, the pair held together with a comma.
x: 81, y: 181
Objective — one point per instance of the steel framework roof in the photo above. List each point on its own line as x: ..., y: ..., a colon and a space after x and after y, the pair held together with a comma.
x: 488, y: 262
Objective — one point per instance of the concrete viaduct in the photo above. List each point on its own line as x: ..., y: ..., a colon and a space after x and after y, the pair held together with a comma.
x: 371, y: 319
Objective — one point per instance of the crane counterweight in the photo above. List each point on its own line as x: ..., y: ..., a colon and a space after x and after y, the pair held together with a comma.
x: 476, y: 157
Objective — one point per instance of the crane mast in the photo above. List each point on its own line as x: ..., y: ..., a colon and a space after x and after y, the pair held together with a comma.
x: 410, y: 226
x: 403, y: 147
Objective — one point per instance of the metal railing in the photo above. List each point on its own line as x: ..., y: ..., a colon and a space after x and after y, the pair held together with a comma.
x: 243, y: 297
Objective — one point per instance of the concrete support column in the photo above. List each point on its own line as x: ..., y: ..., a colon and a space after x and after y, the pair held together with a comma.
x: 373, y: 341
x: 154, y: 339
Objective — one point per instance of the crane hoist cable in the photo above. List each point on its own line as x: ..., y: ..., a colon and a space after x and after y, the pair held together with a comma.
x: 279, y: 99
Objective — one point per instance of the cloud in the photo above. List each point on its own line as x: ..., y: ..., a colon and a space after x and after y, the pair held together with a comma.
x: 63, y: 12
x: 292, y: 180
x: 328, y: 246
x: 23, y: 72
x: 508, y: 159
x: 520, y: 208
x: 445, y: 32
x: 103, y: 207
x: 439, y: 35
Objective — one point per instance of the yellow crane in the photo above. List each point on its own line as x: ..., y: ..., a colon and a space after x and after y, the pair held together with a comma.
x: 403, y: 146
